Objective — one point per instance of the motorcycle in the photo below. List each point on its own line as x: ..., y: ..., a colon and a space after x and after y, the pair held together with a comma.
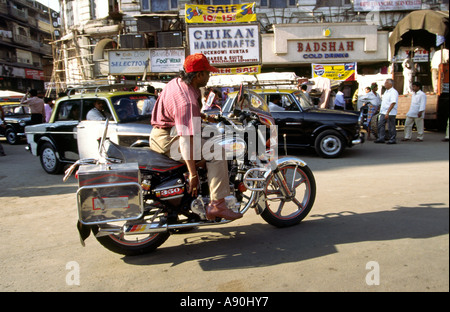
x: 133, y: 198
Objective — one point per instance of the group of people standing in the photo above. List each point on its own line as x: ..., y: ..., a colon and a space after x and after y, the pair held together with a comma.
x: 387, y: 105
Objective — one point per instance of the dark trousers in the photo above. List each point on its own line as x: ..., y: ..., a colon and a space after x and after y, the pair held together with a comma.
x: 36, y: 119
x: 391, y: 128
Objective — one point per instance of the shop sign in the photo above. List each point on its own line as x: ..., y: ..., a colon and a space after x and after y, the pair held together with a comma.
x: 383, y: 5
x: 225, y: 45
x: 211, y: 14
x: 313, y: 50
x: 10, y: 71
x: 253, y: 70
x: 420, y: 55
x: 341, y: 72
x: 128, y: 62
x: 166, y: 60
x: 34, y: 74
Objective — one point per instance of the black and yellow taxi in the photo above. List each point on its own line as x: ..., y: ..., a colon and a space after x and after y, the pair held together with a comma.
x: 17, y: 117
x: 57, y: 142
x: 302, y: 125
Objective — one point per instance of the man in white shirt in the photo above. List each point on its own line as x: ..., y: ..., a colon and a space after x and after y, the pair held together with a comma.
x: 99, y: 112
x: 339, y: 101
x: 275, y: 104
x: 149, y: 103
x: 416, y: 113
x: 408, y: 74
x: 388, y: 113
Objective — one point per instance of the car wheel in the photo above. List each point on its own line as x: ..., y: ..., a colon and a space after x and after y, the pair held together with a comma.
x: 329, y: 144
x: 11, y: 136
x: 49, y: 160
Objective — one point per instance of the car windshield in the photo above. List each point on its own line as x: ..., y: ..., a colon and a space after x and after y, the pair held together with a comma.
x: 131, y: 107
x: 304, y: 100
x: 251, y: 101
x: 16, y: 109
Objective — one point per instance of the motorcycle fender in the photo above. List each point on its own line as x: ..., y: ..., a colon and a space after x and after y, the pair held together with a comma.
x: 290, y: 161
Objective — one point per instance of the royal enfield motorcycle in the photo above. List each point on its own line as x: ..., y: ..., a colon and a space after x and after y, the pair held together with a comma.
x: 132, y: 198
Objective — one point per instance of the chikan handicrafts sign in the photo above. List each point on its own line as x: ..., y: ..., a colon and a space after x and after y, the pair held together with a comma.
x: 226, y: 44
x: 238, y: 13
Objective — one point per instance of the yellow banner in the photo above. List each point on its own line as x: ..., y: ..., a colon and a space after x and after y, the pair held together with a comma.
x: 239, y: 70
x: 342, y: 72
x: 237, y: 13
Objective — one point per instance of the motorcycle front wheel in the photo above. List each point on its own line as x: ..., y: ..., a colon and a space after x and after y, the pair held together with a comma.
x: 281, y: 211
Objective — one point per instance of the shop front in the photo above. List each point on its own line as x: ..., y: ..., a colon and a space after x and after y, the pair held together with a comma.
x: 297, y: 46
x: 336, y: 51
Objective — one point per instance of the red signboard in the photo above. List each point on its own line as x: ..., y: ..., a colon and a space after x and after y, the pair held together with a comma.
x: 34, y: 74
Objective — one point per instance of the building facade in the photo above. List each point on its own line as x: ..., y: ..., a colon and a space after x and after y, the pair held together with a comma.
x: 293, y: 35
x: 26, y: 31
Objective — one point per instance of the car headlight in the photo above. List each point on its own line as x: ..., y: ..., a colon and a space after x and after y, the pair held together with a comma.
x: 22, y: 123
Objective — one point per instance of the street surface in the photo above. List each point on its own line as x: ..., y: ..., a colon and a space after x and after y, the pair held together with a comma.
x: 380, y: 223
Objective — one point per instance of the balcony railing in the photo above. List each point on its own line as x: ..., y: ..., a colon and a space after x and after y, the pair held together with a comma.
x: 21, y: 39
x: 19, y: 14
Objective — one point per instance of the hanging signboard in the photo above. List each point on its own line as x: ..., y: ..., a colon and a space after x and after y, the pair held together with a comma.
x: 226, y: 45
x: 211, y: 14
x: 341, y: 72
x: 128, y: 62
x: 383, y: 5
x: 420, y: 54
x: 169, y: 60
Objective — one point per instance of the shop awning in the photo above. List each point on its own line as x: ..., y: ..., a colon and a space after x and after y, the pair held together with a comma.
x: 419, y: 28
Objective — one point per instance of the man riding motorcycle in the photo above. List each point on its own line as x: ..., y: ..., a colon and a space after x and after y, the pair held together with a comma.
x: 178, y: 107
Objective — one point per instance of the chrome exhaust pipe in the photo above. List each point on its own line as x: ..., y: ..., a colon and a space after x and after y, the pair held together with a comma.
x: 152, y: 228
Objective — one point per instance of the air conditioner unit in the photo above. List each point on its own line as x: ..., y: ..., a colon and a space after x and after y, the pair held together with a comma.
x: 170, y: 39
x: 149, y: 24
x: 132, y: 42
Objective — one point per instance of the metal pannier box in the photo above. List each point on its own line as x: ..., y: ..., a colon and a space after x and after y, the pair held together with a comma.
x: 108, y: 193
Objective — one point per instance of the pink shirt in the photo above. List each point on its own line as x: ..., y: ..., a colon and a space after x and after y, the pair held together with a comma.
x: 36, y: 104
x: 178, y: 106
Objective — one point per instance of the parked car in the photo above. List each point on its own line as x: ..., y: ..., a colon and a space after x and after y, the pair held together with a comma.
x: 328, y: 131
x: 55, y: 142
x: 17, y: 116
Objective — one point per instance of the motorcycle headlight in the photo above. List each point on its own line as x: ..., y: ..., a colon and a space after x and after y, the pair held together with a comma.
x: 22, y: 123
x: 234, y: 148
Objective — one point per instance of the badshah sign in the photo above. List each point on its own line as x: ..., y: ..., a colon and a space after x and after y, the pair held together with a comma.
x: 325, y: 49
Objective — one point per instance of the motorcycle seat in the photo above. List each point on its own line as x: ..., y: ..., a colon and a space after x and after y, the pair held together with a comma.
x: 145, y: 157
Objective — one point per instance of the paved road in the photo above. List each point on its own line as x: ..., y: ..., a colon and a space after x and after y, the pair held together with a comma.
x: 380, y: 223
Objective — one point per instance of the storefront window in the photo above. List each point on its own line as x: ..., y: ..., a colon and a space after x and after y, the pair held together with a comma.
x: 158, y: 5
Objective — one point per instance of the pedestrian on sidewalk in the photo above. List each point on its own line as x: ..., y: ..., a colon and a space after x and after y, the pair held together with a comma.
x: 416, y: 113
x: 388, y: 113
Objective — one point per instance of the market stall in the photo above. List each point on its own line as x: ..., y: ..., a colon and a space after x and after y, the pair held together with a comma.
x: 417, y: 38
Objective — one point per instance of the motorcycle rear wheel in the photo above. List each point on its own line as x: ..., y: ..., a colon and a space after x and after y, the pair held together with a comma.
x: 282, y: 212
x: 130, y: 245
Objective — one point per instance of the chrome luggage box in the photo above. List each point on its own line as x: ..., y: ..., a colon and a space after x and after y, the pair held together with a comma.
x: 109, y: 193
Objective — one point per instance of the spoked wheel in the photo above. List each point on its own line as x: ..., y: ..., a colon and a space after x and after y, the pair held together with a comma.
x: 281, y: 211
x: 131, y: 245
